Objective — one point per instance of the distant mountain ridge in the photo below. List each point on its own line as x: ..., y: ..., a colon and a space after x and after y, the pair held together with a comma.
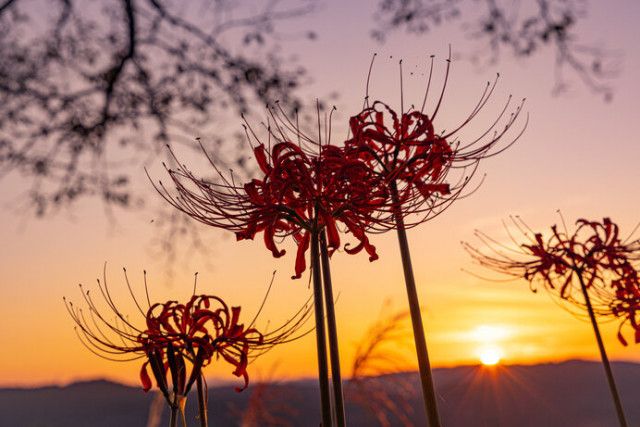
x: 566, y: 394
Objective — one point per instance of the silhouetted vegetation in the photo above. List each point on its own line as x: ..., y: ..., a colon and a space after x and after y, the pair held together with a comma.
x: 90, y: 90
x: 518, y: 29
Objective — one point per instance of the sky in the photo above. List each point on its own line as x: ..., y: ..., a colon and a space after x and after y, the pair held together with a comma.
x: 578, y: 154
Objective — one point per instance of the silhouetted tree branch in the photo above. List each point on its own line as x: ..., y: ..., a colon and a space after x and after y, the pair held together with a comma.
x: 90, y: 90
x: 522, y: 29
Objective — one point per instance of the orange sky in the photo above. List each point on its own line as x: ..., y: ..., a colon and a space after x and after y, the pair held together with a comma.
x: 579, y: 154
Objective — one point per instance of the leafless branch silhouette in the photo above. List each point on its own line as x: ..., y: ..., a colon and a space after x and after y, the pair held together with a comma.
x: 91, y: 90
x: 519, y: 29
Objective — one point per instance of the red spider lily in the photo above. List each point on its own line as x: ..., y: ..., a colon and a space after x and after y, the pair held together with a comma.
x: 297, y: 194
x: 405, y: 151
x: 594, y: 254
x: 592, y: 268
x: 415, y: 165
x: 627, y: 304
x: 415, y: 161
x: 199, y: 331
x: 304, y: 189
x: 300, y: 193
x: 177, y: 341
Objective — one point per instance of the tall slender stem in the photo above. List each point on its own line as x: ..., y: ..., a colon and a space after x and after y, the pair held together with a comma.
x: 603, y: 354
x: 426, y: 378
x: 202, y: 402
x: 183, y: 417
x: 332, y: 330
x: 321, y: 344
x: 173, y: 419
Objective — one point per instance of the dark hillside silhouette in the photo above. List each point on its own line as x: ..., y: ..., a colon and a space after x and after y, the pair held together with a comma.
x: 571, y: 393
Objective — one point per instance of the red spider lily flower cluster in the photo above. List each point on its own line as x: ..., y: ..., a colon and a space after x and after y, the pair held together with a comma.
x: 298, y: 192
x: 593, y: 256
x: 197, y: 331
x: 177, y: 339
x: 416, y: 162
x: 392, y: 165
x: 405, y: 150
x: 309, y: 193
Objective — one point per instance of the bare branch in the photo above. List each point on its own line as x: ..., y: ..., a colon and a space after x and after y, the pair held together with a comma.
x: 521, y: 28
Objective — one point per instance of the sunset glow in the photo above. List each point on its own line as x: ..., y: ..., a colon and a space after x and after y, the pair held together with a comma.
x: 560, y: 162
x: 491, y: 333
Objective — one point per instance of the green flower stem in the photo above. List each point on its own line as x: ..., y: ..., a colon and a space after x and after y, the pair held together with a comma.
x: 183, y: 404
x: 334, y: 352
x: 426, y: 378
x: 603, y: 354
x: 321, y: 344
x: 173, y: 419
x: 202, y: 402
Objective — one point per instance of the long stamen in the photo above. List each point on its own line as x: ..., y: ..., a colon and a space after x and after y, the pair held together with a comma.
x: 401, y: 91
x: 369, y: 73
x: 426, y: 92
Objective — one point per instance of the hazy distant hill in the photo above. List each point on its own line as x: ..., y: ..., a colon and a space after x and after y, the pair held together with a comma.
x: 569, y: 394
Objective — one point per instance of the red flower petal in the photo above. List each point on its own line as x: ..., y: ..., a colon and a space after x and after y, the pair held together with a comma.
x: 144, y: 377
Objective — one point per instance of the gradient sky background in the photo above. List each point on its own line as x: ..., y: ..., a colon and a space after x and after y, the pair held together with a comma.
x: 579, y: 154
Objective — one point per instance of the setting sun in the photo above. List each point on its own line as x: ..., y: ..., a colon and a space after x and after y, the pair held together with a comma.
x: 489, y: 336
x: 490, y: 356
